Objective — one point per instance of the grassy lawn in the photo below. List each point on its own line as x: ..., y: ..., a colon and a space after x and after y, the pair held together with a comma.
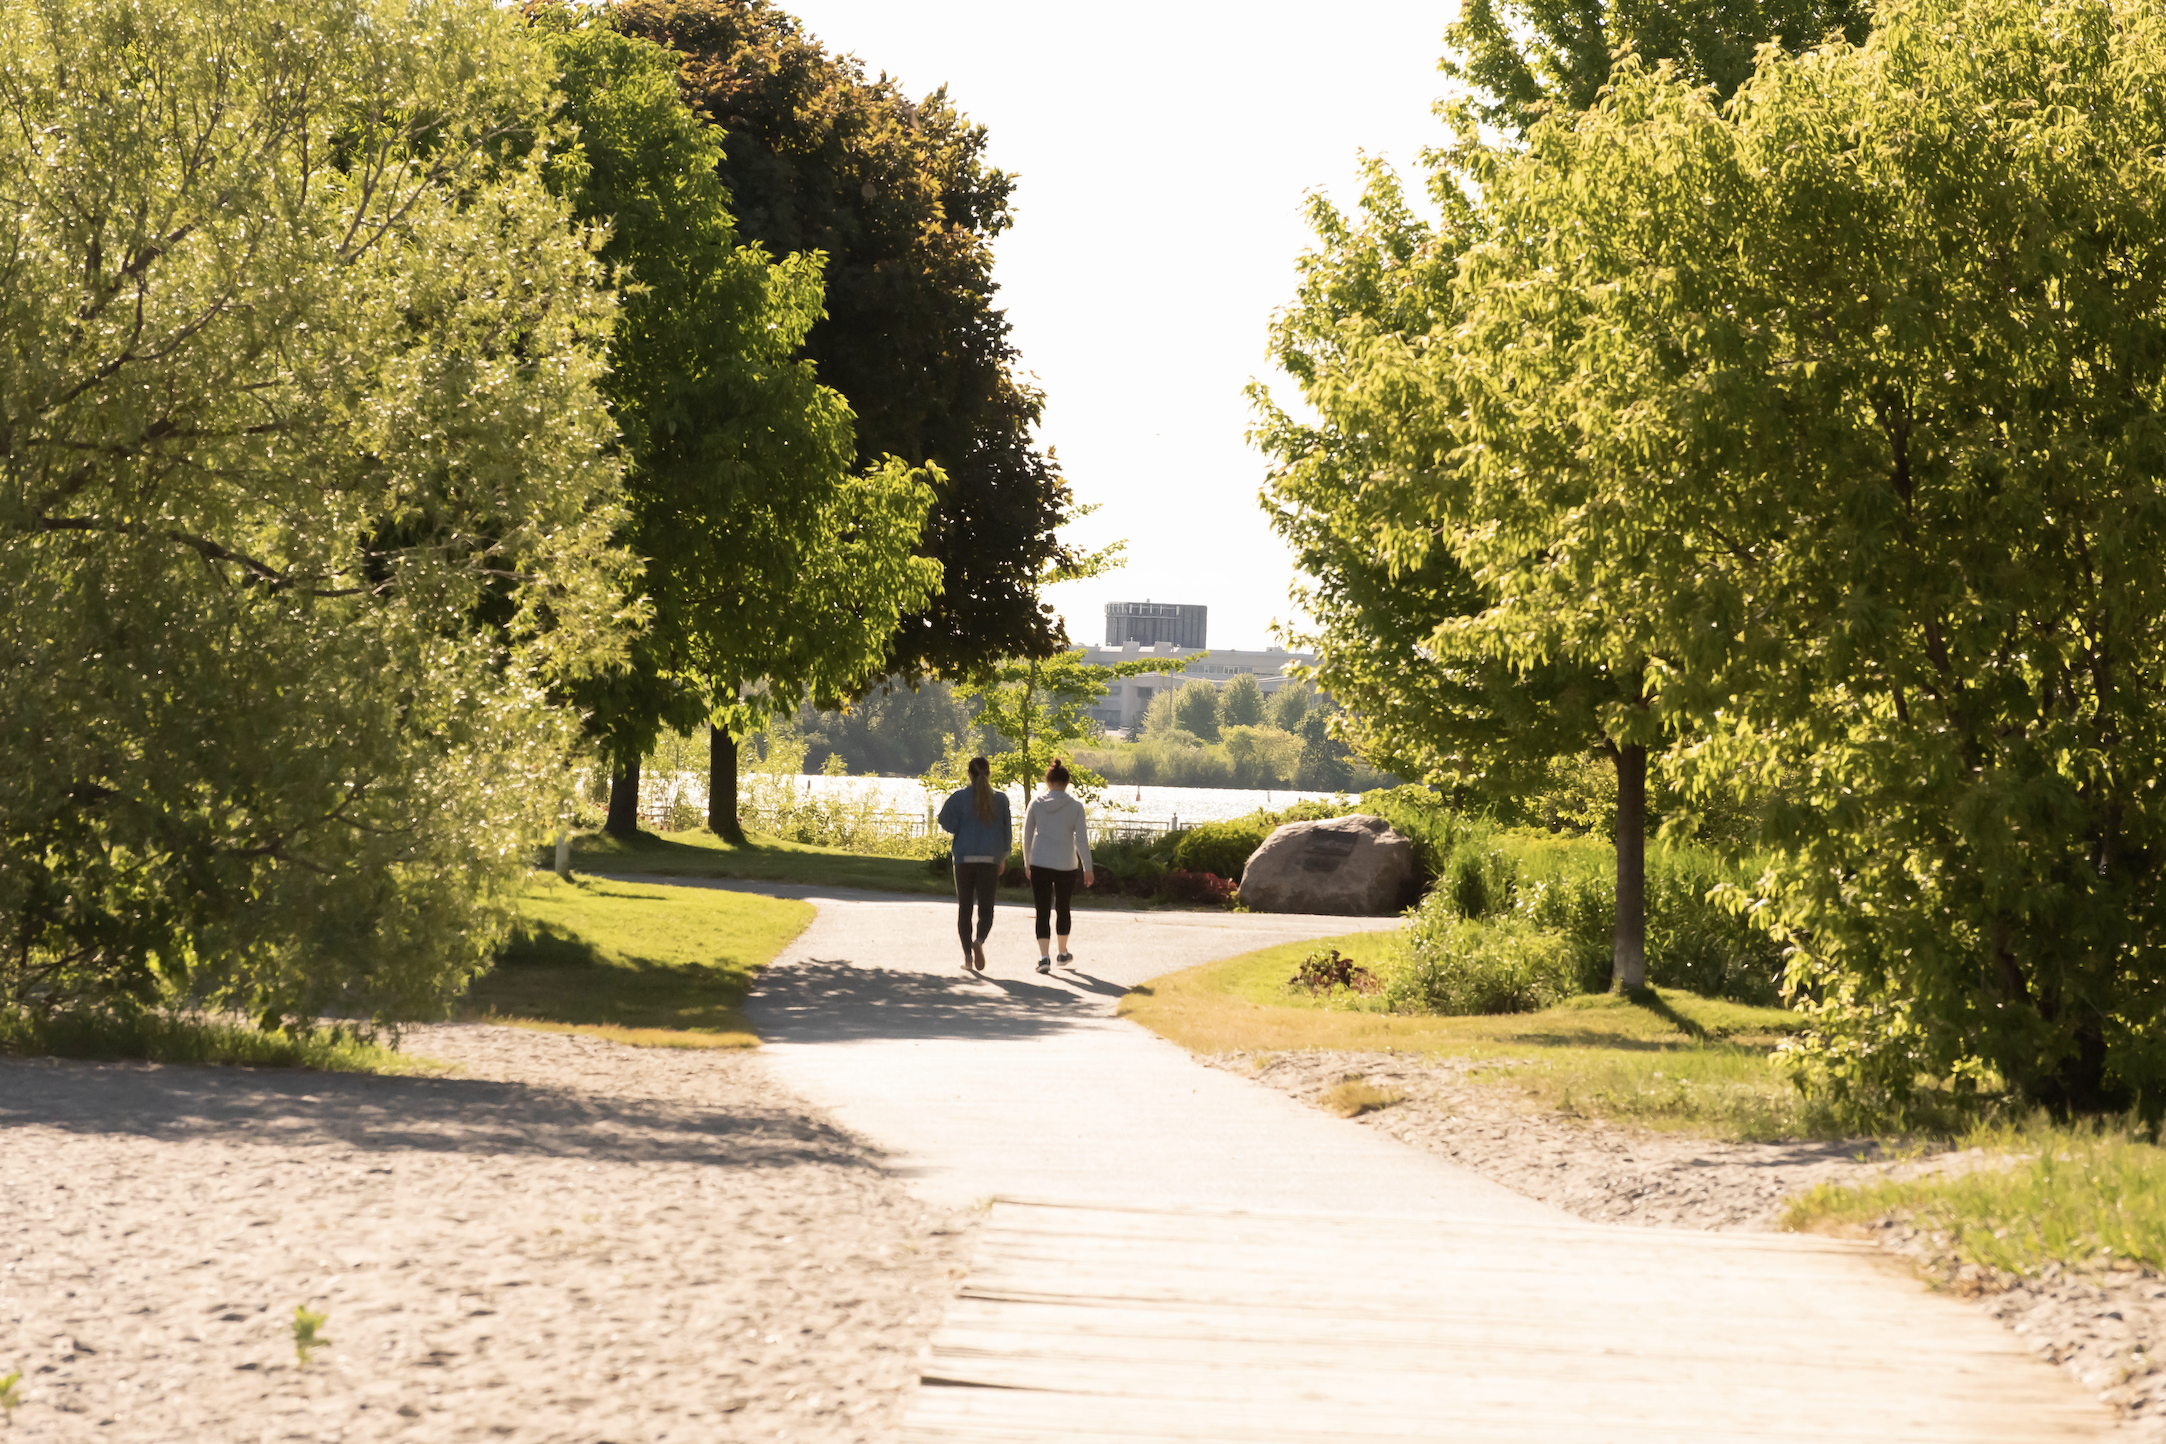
x: 700, y: 853
x: 1665, y: 1059
x: 636, y: 962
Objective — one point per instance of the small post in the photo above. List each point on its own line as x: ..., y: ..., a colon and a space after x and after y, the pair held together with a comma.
x: 564, y: 851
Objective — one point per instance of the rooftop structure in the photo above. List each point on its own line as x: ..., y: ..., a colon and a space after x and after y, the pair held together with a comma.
x: 1153, y: 623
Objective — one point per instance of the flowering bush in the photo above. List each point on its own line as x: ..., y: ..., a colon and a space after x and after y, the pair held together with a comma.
x: 1198, y: 887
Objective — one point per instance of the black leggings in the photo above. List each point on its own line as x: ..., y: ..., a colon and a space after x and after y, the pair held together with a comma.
x: 1051, y: 887
x: 975, y: 882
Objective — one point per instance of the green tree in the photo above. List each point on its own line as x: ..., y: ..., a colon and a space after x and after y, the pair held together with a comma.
x: 1241, y: 702
x: 1529, y: 58
x: 775, y: 573
x: 1427, y: 695
x: 1480, y: 713
x: 1041, y: 707
x: 1262, y: 756
x: 894, y: 730
x: 1322, y: 766
x: 897, y: 195
x: 1840, y: 406
x: 1287, y: 706
x: 1158, y: 718
x: 305, y: 501
x: 1195, y: 709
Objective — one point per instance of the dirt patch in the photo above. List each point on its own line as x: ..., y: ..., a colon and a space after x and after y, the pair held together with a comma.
x: 568, y: 1240
x: 2108, y: 1329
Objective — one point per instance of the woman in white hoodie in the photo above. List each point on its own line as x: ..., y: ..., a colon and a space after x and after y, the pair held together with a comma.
x: 1056, y: 851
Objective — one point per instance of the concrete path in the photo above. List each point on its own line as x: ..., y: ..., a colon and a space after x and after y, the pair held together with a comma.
x: 1181, y: 1255
x: 1019, y: 1084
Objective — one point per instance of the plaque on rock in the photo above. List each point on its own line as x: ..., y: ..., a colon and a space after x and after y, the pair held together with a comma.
x: 1352, y: 866
x: 1326, y: 850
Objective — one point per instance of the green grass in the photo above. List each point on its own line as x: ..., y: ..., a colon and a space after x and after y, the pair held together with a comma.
x: 1663, y: 1058
x: 2075, y: 1195
x: 636, y: 962
x: 175, y: 1037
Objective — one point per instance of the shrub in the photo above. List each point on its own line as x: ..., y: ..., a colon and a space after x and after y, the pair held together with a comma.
x: 1222, y: 847
x: 1321, y: 972
x: 1456, y: 967
x: 1693, y: 942
x: 1198, y: 887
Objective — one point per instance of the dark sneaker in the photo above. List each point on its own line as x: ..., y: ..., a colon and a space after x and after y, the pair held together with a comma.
x: 1065, y: 959
x: 1045, y: 965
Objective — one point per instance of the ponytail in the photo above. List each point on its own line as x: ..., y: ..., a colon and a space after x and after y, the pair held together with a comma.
x: 981, y: 788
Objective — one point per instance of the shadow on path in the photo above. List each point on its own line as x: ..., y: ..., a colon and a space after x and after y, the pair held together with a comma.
x: 830, y: 1000
x: 180, y: 1103
x: 1090, y: 984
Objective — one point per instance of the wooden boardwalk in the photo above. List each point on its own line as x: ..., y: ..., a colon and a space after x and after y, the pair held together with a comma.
x: 1135, y: 1325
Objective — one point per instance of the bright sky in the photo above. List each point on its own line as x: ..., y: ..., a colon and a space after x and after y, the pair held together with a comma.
x: 1162, y: 151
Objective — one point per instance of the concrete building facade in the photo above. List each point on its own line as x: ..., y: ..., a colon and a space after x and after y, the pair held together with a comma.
x: 1130, y: 698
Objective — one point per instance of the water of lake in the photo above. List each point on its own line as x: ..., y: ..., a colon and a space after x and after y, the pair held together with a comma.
x: 1163, y: 805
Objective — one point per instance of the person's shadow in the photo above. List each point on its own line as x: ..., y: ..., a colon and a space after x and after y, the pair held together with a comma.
x: 1090, y: 984
x: 832, y: 1000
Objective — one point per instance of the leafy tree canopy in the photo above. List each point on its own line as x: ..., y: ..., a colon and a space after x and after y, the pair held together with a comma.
x: 1040, y: 706
x: 777, y: 572
x: 897, y: 195
x: 1528, y: 58
x: 305, y: 498
x: 1241, y: 702
x: 1483, y: 712
x: 1839, y: 407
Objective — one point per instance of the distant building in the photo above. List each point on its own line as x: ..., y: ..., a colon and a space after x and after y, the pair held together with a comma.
x: 1128, y: 699
x: 1155, y: 623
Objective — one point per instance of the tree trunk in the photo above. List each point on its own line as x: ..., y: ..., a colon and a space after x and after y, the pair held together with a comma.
x: 1628, y: 963
x: 1030, y: 713
x: 623, y: 800
x: 722, y: 785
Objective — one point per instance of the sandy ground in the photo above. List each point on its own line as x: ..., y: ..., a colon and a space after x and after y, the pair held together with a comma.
x: 2108, y: 1329
x: 568, y: 1240
x: 573, y: 1240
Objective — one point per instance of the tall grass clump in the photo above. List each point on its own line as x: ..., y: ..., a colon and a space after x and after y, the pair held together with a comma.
x: 2077, y: 1195
x: 1567, y: 888
x: 161, y: 1036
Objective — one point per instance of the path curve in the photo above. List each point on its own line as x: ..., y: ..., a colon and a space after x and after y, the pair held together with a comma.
x: 1176, y: 1254
x: 1026, y: 1085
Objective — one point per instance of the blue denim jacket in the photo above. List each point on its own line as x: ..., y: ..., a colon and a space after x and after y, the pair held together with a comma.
x: 959, y: 815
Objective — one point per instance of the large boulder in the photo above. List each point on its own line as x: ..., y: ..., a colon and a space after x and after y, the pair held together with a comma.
x: 1351, y: 866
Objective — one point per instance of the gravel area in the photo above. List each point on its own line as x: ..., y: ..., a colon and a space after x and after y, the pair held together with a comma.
x: 2107, y: 1328
x: 567, y: 1239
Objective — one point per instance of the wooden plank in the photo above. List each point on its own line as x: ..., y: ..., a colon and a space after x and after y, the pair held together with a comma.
x: 1147, y: 1325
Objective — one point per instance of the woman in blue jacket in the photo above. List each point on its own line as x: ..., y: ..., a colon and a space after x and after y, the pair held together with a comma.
x: 978, y: 818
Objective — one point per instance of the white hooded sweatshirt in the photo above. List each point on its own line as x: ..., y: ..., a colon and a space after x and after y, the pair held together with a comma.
x: 1055, y: 834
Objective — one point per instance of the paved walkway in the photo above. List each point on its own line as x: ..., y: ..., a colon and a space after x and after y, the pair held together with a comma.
x: 1181, y: 1255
